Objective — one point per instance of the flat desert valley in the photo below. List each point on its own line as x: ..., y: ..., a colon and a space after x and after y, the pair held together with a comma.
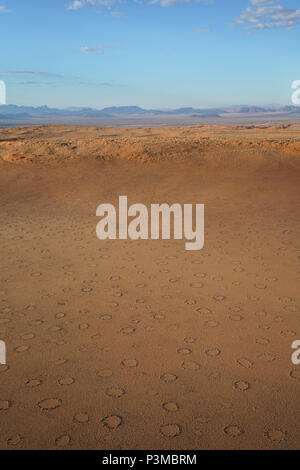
x: 123, y: 344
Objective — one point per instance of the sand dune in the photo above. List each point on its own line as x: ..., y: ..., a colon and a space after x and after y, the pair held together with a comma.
x: 140, y: 344
x: 60, y: 143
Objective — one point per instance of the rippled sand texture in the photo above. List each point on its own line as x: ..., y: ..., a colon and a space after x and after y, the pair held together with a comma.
x: 134, y: 345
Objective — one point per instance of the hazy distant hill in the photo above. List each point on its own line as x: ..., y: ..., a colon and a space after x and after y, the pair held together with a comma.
x: 124, y: 110
x: 24, y: 115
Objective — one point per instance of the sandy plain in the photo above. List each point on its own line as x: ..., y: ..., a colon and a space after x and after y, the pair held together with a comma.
x: 140, y: 344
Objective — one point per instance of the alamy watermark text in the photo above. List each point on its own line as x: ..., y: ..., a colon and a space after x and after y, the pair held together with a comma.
x: 143, y: 225
x: 2, y: 92
x: 2, y: 353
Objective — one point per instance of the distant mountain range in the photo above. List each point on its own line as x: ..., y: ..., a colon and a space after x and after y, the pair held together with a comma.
x: 14, y: 112
x: 13, y: 115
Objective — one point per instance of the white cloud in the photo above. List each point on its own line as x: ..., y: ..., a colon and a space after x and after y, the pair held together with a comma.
x: 266, y: 14
x: 3, y: 9
x: 100, y: 49
x: 30, y: 72
x: 89, y: 50
x: 78, y: 4
x: 27, y: 82
x: 169, y: 3
x: 262, y: 3
x: 75, y: 5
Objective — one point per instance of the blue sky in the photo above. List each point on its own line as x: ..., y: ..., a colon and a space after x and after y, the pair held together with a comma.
x: 155, y: 54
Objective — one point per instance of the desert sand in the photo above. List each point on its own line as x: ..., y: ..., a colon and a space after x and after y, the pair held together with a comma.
x: 141, y: 344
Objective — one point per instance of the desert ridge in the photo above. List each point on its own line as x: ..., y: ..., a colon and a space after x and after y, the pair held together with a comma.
x: 139, y: 343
